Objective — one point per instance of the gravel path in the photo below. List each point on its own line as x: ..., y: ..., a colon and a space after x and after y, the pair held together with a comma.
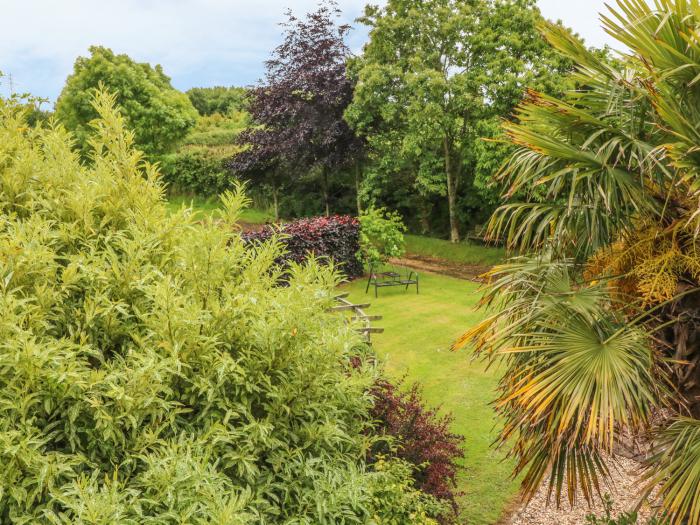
x: 623, y: 487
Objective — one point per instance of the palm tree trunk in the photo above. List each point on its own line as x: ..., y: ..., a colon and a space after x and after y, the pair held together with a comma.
x: 682, y: 338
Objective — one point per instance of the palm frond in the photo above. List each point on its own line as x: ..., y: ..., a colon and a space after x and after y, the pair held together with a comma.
x: 584, y: 166
x: 605, y: 185
x: 675, y: 471
x: 575, y: 373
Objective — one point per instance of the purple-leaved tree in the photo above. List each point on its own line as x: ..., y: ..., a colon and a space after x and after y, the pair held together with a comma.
x: 298, y: 109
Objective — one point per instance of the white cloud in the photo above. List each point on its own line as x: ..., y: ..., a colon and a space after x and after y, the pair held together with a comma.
x: 581, y: 15
x: 227, y: 40
x: 198, y: 42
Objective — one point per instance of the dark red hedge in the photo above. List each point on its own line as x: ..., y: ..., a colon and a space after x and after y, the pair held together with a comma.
x: 424, y: 439
x: 336, y: 237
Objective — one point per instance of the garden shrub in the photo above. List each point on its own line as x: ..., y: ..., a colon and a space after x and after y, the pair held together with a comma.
x: 335, y: 237
x: 196, y: 171
x: 381, y: 236
x: 219, y: 130
x: 420, y: 436
x: 199, y: 165
x: 152, y: 371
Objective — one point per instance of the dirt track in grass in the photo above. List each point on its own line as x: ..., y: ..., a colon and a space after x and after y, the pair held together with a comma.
x: 469, y: 272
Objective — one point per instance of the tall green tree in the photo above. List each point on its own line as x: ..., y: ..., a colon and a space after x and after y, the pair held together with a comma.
x: 433, y: 72
x: 159, y: 115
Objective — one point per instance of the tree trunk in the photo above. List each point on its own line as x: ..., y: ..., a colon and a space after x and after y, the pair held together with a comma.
x: 682, y: 338
x: 275, y: 203
x: 357, y: 189
x: 424, y: 216
x: 325, y: 192
x: 451, y: 192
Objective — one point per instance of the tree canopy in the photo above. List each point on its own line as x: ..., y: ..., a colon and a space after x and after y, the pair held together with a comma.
x: 434, y: 77
x: 299, y: 108
x: 159, y: 115
x: 217, y: 99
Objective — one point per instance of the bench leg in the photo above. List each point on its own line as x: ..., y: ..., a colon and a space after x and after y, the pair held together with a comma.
x: 376, y: 290
x: 416, y: 284
x: 371, y: 273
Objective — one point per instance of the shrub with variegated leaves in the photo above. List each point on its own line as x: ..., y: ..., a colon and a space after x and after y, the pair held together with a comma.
x: 152, y: 371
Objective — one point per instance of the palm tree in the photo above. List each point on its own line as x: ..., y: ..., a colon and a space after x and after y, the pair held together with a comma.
x: 599, y: 332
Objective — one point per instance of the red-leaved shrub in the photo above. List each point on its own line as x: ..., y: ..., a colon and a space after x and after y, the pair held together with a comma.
x: 336, y: 237
x: 423, y: 438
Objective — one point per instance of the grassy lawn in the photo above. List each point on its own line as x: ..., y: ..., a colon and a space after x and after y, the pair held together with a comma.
x: 463, y: 252
x: 418, y: 332
x: 206, y: 206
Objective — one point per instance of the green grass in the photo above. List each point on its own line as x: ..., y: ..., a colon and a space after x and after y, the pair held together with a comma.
x: 205, y: 206
x: 463, y: 252
x: 418, y: 332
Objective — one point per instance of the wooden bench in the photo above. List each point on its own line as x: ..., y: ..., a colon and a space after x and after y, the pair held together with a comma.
x: 391, y: 277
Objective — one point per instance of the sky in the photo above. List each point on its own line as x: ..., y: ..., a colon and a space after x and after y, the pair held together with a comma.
x: 198, y: 42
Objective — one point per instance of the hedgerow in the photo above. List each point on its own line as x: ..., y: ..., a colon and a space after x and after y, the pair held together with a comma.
x: 199, y: 165
x: 152, y: 371
x: 196, y: 171
x: 335, y: 238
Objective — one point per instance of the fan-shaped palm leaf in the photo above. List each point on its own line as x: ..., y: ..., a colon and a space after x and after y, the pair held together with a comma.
x: 575, y: 373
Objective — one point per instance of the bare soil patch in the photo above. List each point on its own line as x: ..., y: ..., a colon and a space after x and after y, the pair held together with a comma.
x: 250, y: 227
x: 470, y: 272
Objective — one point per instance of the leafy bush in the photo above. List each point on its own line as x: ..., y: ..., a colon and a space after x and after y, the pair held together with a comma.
x: 196, y: 171
x: 199, y: 166
x: 422, y: 438
x: 217, y: 99
x: 381, y: 235
x: 152, y: 371
x: 335, y: 237
x: 219, y: 130
x: 393, y: 491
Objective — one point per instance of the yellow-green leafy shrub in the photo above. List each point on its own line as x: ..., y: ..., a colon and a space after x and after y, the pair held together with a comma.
x: 151, y: 371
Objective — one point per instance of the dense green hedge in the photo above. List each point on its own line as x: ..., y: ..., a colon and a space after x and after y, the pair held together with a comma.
x: 199, y: 166
x: 152, y: 371
x: 196, y: 171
